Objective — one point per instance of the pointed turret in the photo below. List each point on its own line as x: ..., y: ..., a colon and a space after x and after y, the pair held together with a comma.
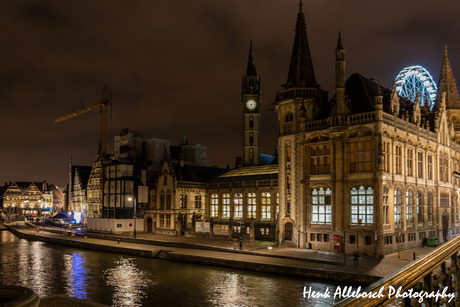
x: 340, y: 107
x: 447, y: 84
x: 301, y: 73
x: 251, y: 69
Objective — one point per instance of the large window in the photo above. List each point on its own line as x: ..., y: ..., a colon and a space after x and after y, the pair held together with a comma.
x: 362, y: 206
x: 420, y: 207
x: 198, y: 201
x: 386, y: 205
x: 168, y: 200
x: 397, y: 206
x: 265, y: 205
x: 320, y: 159
x: 226, y: 206
x: 409, y: 206
x: 183, y: 201
x: 420, y: 165
x: 386, y: 156
x: 410, y: 162
x: 361, y: 157
x: 321, y: 211
x: 238, y: 200
x: 429, y: 206
x: 398, y: 159
x: 252, y: 207
x: 444, y: 200
x: 429, y: 159
x: 162, y: 200
x: 214, y: 205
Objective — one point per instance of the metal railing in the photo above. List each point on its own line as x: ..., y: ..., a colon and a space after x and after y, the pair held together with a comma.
x: 435, y: 283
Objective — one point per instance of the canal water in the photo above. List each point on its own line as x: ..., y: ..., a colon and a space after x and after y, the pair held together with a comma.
x: 120, y: 280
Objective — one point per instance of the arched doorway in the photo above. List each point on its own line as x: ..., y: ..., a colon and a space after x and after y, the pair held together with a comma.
x: 445, y: 226
x: 149, y: 224
x: 288, y: 231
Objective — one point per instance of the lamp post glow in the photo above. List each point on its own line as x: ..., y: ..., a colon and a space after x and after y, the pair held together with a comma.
x: 134, y: 214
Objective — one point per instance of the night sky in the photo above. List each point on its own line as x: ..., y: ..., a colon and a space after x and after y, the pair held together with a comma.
x: 175, y: 67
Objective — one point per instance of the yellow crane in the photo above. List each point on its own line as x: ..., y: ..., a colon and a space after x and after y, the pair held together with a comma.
x: 103, y: 104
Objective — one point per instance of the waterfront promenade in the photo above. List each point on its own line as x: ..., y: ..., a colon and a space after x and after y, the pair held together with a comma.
x: 264, y: 257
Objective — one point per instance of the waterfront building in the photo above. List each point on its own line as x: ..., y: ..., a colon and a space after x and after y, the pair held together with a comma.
x: 367, y: 170
x: 178, y: 195
x: 34, y: 198
x: 78, y: 183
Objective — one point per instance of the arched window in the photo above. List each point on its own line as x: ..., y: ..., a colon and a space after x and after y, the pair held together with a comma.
x: 214, y: 205
x: 251, y: 121
x: 238, y: 209
x: 321, y: 210
x: 420, y: 206
x: 386, y: 205
x: 252, y: 207
x: 266, y: 205
x: 397, y: 206
x: 409, y: 206
x: 429, y: 206
x: 165, y: 178
x: 251, y: 138
x: 288, y: 123
x: 225, y: 206
x: 362, y: 206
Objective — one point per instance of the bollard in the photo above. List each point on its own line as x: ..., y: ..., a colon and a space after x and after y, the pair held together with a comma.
x: 414, y: 256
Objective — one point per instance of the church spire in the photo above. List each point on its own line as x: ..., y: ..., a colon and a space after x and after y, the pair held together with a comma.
x: 447, y: 84
x: 301, y: 73
x: 251, y: 69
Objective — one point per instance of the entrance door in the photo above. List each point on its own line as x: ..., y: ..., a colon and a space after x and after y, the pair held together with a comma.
x: 445, y: 226
x: 288, y: 231
x: 149, y: 224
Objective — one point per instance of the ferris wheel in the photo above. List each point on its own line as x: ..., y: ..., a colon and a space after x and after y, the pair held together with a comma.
x: 415, y: 80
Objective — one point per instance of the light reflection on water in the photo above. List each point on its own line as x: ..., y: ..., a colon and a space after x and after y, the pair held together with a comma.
x: 129, y: 282
x: 117, y: 280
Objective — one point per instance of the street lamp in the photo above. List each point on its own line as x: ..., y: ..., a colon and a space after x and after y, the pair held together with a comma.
x: 134, y: 214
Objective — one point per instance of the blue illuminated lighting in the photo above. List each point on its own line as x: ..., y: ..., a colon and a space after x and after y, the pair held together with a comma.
x: 415, y: 80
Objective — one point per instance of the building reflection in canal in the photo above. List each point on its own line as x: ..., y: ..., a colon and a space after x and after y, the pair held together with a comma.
x: 119, y: 280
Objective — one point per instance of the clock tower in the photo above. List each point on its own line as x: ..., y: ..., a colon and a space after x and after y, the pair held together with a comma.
x: 250, y: 97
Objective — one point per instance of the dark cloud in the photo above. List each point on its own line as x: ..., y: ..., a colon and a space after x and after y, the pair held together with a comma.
x: 175, y: 67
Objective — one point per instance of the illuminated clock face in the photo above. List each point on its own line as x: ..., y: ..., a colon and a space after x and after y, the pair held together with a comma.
x: 251, y: 104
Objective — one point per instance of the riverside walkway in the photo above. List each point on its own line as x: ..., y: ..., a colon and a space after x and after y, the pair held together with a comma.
x: 219, y: 252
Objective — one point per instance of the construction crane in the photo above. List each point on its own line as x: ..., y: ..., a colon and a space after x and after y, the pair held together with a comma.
x: 103, y: 104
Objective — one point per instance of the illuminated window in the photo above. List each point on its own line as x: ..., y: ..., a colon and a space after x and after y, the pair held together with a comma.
x: 321, y: 211
x: 266, y: 206
x: 362, y: 206
x: 252, y: 205
x: 214, y: 205
x: 225, y: 211
x: 386, y: 205
x: 386, y: 156
x: 397, y: 205
x: 361, y: 157
x: 238, y: 209
x: 320, y: 159
x: 409, y: 206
